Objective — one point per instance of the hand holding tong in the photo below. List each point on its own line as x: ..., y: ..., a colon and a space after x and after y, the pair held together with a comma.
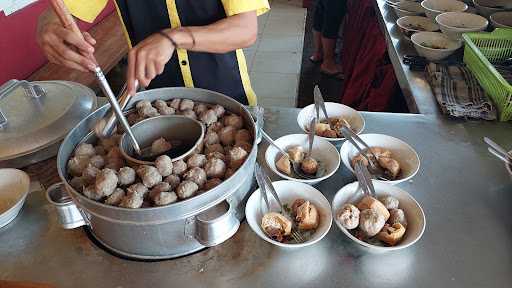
x: 68, y: 22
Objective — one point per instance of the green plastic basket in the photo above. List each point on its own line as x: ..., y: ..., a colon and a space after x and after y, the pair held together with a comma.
x: 480, y: 51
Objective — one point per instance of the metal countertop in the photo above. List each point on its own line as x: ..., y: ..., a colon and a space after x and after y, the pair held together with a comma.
x: 466, y: 195
x: 415, y: 88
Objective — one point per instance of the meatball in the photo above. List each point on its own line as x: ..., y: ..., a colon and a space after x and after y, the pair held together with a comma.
x: 242, y: 135
x: 166, y: 110
x: 196, y: 160
x: 389, y: 202
x: 215, y: 168
x: 229, y: 173
x: 137, y: 188
x: 158, y: 104
x: 196, y: 175
x: 211, y: 138
x: 89, y: 174
x: 148, y: 112
x: 132, y: 201
x: 296, y: 153
x: 173, y: 181
x: 397, y: 216
x: 236, y: 157
x: 90, y: 192
x: 164, y: 165
x: 348, y: 216
x: 217, y: 155
x: 175, y: 103
x: 186, y: 189
x: 391, y: 234
x: 369, y: 202
x: 234, y: 120
x: 309, y: 165
x: 189, y: 114
x: 115, y: 198
x: 160, y: 187
x: 219, y: 110
x: 77, y: 164
x: 227, y: 135
x: 212, y: 183
x: 142, y: 103
x: 85, y: 149
x: 244, y: 145
x: 208, y: 117
x: 78, y: 183
x: 200, y: 108
x: 97, y: 161
x: 214, y: 148
x: 106, y: 182
x: 186, y: 104
x: 126, y: 176
x: 215, y: 127
x: 115, y: 163
x: 160, y: 146
x: 179, y: 167
x: 371, y: 222
x: 149, y: 175
x: 306, y: 215
x: 165, y: 198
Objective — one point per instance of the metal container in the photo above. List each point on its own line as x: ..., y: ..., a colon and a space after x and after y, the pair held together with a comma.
x: 169, y: 231
x: 69, y: 215
x: 36, y: 116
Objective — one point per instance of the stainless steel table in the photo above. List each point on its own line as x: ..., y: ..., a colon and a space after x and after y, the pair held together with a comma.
x: 466, y: 195
x: 415, y: 88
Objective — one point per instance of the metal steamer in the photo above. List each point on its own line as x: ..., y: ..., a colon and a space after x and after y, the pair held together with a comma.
x: 178, y: 229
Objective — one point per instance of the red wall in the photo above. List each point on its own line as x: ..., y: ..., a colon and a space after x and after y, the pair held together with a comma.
x: 20, y: 55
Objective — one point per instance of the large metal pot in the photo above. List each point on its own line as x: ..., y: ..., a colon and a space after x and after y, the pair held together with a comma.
x: 180, y: 228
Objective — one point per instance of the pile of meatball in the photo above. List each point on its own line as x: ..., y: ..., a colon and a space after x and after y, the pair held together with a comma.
x: 100, y: 172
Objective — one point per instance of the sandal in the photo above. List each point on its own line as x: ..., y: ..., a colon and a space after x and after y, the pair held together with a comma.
x: 317, y: 61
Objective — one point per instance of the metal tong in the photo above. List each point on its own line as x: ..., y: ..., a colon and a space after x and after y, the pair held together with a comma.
x: 364, y: 179
x: 498, y: 151
x: 374, y: 166
x: 320, y: 104
x: 264, y: 182
x: 68, y: 22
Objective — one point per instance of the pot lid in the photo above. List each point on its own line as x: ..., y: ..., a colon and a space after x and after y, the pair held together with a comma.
x: 35, y: 115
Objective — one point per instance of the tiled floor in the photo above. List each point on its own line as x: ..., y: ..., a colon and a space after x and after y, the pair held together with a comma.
x: 274, y: 61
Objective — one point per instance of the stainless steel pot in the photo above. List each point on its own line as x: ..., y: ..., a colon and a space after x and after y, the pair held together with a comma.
x: 180, y: 228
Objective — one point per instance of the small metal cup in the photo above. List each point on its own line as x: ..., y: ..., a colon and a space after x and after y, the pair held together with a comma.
x: 69, y: 215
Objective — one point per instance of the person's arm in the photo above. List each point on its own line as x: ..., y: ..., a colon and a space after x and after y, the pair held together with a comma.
x: 148, y: 58
x: 61, y: 46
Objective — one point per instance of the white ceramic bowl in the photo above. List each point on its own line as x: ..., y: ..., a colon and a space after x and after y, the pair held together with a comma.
x: 412, y: 24
x: 435, y: 7
x: 288, y: 192
x: 424, y: 41
x: 322, y: 151
x: 407, y: 8
x: 488, y: 7
x: 453, y: 24
x: 14, y: 187
x: 412, y: 210
x: 353, y: 117
x: 502, y: 19
x: 401, y: 152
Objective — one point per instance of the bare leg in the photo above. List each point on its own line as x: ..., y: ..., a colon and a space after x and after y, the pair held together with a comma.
x: 329, y: 64
x: 317, y: 55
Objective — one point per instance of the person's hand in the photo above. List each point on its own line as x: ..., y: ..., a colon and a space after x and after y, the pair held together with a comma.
x: 63, y: 47
x: 147, y: 60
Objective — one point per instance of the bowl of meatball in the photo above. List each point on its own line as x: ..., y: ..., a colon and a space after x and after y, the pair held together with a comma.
x: 329, y: 129
x: 323, y: 162
x: 391, y: 220
x: 398, y: 159
x: 308, y: 213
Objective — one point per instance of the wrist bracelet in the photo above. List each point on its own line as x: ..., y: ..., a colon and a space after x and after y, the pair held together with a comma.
x: 169, y: 38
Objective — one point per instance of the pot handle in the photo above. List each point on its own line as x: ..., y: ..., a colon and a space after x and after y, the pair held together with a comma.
x: 70, y: 215
x: 215, y: 225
